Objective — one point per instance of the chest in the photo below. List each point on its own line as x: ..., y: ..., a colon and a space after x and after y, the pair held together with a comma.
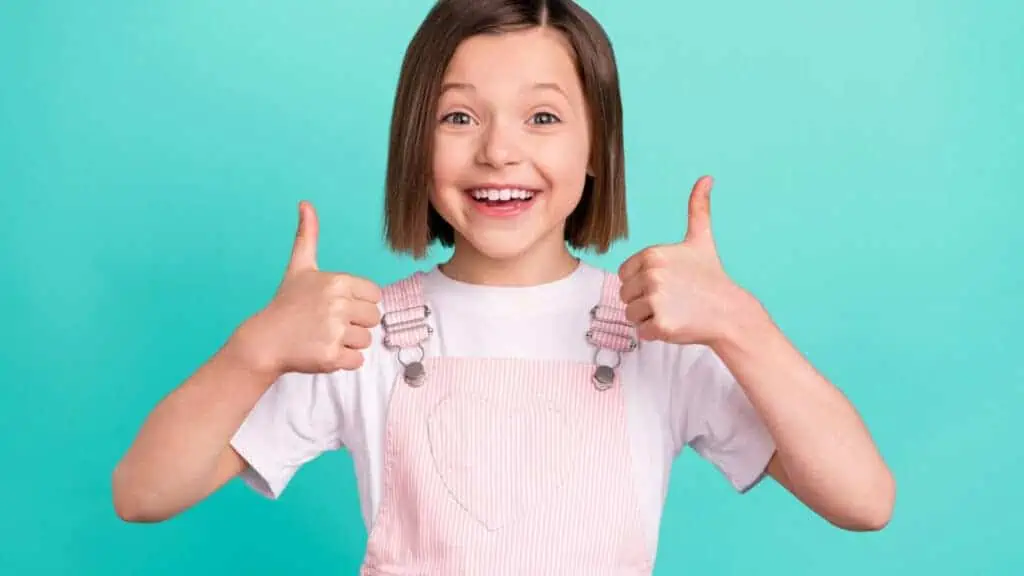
x: 558, y: 336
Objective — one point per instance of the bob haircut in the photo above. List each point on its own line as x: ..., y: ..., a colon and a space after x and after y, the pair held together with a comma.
x: 411, y: 223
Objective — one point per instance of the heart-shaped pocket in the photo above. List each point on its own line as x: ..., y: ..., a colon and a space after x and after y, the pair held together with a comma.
x: 499, y: 459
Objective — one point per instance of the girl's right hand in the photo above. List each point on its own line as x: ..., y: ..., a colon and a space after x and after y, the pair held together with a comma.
x: 317, y: 322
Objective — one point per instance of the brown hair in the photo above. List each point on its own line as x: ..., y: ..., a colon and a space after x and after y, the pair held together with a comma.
x: 410, y: 223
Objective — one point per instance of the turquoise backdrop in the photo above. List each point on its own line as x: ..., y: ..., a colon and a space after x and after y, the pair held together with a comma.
x: 869, y: 169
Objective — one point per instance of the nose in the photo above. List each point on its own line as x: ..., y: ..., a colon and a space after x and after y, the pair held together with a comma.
x: 498, y: 146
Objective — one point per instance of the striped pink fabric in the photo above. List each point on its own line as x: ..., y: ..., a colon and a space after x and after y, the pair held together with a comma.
x: 609, y: 327
x: 506, y: 466
x: 405, y: 314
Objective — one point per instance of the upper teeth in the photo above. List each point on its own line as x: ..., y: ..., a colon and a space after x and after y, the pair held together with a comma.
x: 495, y: 194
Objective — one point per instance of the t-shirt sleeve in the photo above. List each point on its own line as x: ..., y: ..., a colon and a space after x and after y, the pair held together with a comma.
x: 721, y: 424
x: 298, y: 418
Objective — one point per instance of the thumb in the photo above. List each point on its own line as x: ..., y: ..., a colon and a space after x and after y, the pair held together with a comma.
x: 304, y: 249
x: 698, y: 227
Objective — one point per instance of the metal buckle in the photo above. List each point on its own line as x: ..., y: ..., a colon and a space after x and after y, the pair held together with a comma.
x: 605, y: 374
x: 401, y: 321
x: 387, y: 323
x: 629, y: 341
x: 402, y: 325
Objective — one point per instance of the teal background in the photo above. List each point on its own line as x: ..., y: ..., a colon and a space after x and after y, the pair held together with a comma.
x: 869, y: 174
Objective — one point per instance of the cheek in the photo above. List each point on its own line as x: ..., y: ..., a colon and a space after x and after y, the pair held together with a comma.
x: 445, y: 164
x: 565, y: 165
x: 448, y: 164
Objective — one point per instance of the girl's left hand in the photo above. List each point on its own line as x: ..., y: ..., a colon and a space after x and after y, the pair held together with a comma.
x: 680, y: 293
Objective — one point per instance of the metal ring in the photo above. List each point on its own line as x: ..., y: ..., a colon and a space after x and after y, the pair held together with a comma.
x: 419, y: 346
x: 618, y: 358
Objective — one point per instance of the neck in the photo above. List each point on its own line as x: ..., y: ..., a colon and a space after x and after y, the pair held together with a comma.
x: 540, y: 265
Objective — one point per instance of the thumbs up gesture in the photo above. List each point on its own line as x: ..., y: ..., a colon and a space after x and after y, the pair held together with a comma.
x: 679, y: 293
x: 317, y: 321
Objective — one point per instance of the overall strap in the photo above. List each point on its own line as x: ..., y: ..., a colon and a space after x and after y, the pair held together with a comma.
x: 405, y: 326
x: 608, y: 325
x: 609, y: 330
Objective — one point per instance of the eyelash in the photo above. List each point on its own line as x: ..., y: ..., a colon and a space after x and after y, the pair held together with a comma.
x: 449, y: 118
x: 555, y: 119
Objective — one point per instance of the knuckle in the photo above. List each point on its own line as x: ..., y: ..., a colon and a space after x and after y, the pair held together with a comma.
x: 337, y: 306
x: 654, y: 300
x: 334, y: 341
x: 338, y: 334
x: 660, y: 326
x: 326, y: 354
x: 361, y: 338
x: 351, y: 359
x: 654, y: 256
x: 376, y: 294
x: 632, y: 315
x: 340, y: 282
x: 654, y: 277
x: 335, y: 320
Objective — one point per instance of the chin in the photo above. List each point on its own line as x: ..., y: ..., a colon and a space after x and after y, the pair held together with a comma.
x: 499, y: 244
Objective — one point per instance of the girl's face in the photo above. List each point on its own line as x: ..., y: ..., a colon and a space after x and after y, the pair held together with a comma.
x: 511, y: 144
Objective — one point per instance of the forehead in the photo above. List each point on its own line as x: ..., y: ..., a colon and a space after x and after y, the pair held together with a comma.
x: 514, y: 60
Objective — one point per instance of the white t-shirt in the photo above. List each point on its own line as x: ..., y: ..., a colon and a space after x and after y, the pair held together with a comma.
x: 676, y: 396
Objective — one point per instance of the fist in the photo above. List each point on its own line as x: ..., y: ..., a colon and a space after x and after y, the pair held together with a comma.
x: 680, y: 293
x: 317, y: 321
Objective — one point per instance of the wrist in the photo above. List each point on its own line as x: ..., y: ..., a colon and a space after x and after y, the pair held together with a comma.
x: 247, y: 350
x: 744, y: 322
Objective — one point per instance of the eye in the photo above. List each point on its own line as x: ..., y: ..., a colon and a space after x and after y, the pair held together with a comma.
x: 545, y: 118
x: 458, y: 118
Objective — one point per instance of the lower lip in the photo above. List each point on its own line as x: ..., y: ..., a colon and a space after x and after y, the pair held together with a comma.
x: 507, y: 209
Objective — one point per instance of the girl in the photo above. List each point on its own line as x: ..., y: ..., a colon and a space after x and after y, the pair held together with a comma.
x: 513, y: 409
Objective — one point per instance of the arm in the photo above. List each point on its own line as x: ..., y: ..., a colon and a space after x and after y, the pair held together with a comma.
x: 680, y: 293
x: 317, y: 323
x: 825, y: 455
x: 182, y: 453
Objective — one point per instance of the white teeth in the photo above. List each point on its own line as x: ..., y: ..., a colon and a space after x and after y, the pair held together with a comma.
x: 504, y: 194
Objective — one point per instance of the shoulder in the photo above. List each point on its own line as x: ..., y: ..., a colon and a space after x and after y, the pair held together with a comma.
x: 413, y: 280
x: 596, y: 274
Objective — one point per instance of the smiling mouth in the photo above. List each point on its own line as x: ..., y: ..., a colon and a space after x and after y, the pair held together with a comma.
x: 501, y: 196
x: 502, y: 201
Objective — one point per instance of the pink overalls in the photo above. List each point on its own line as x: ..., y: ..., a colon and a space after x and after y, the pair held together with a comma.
x: 506, y: 466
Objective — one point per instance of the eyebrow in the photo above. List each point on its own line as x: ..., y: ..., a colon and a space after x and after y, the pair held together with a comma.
x: 538, y: 86
x: 550, y: 86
